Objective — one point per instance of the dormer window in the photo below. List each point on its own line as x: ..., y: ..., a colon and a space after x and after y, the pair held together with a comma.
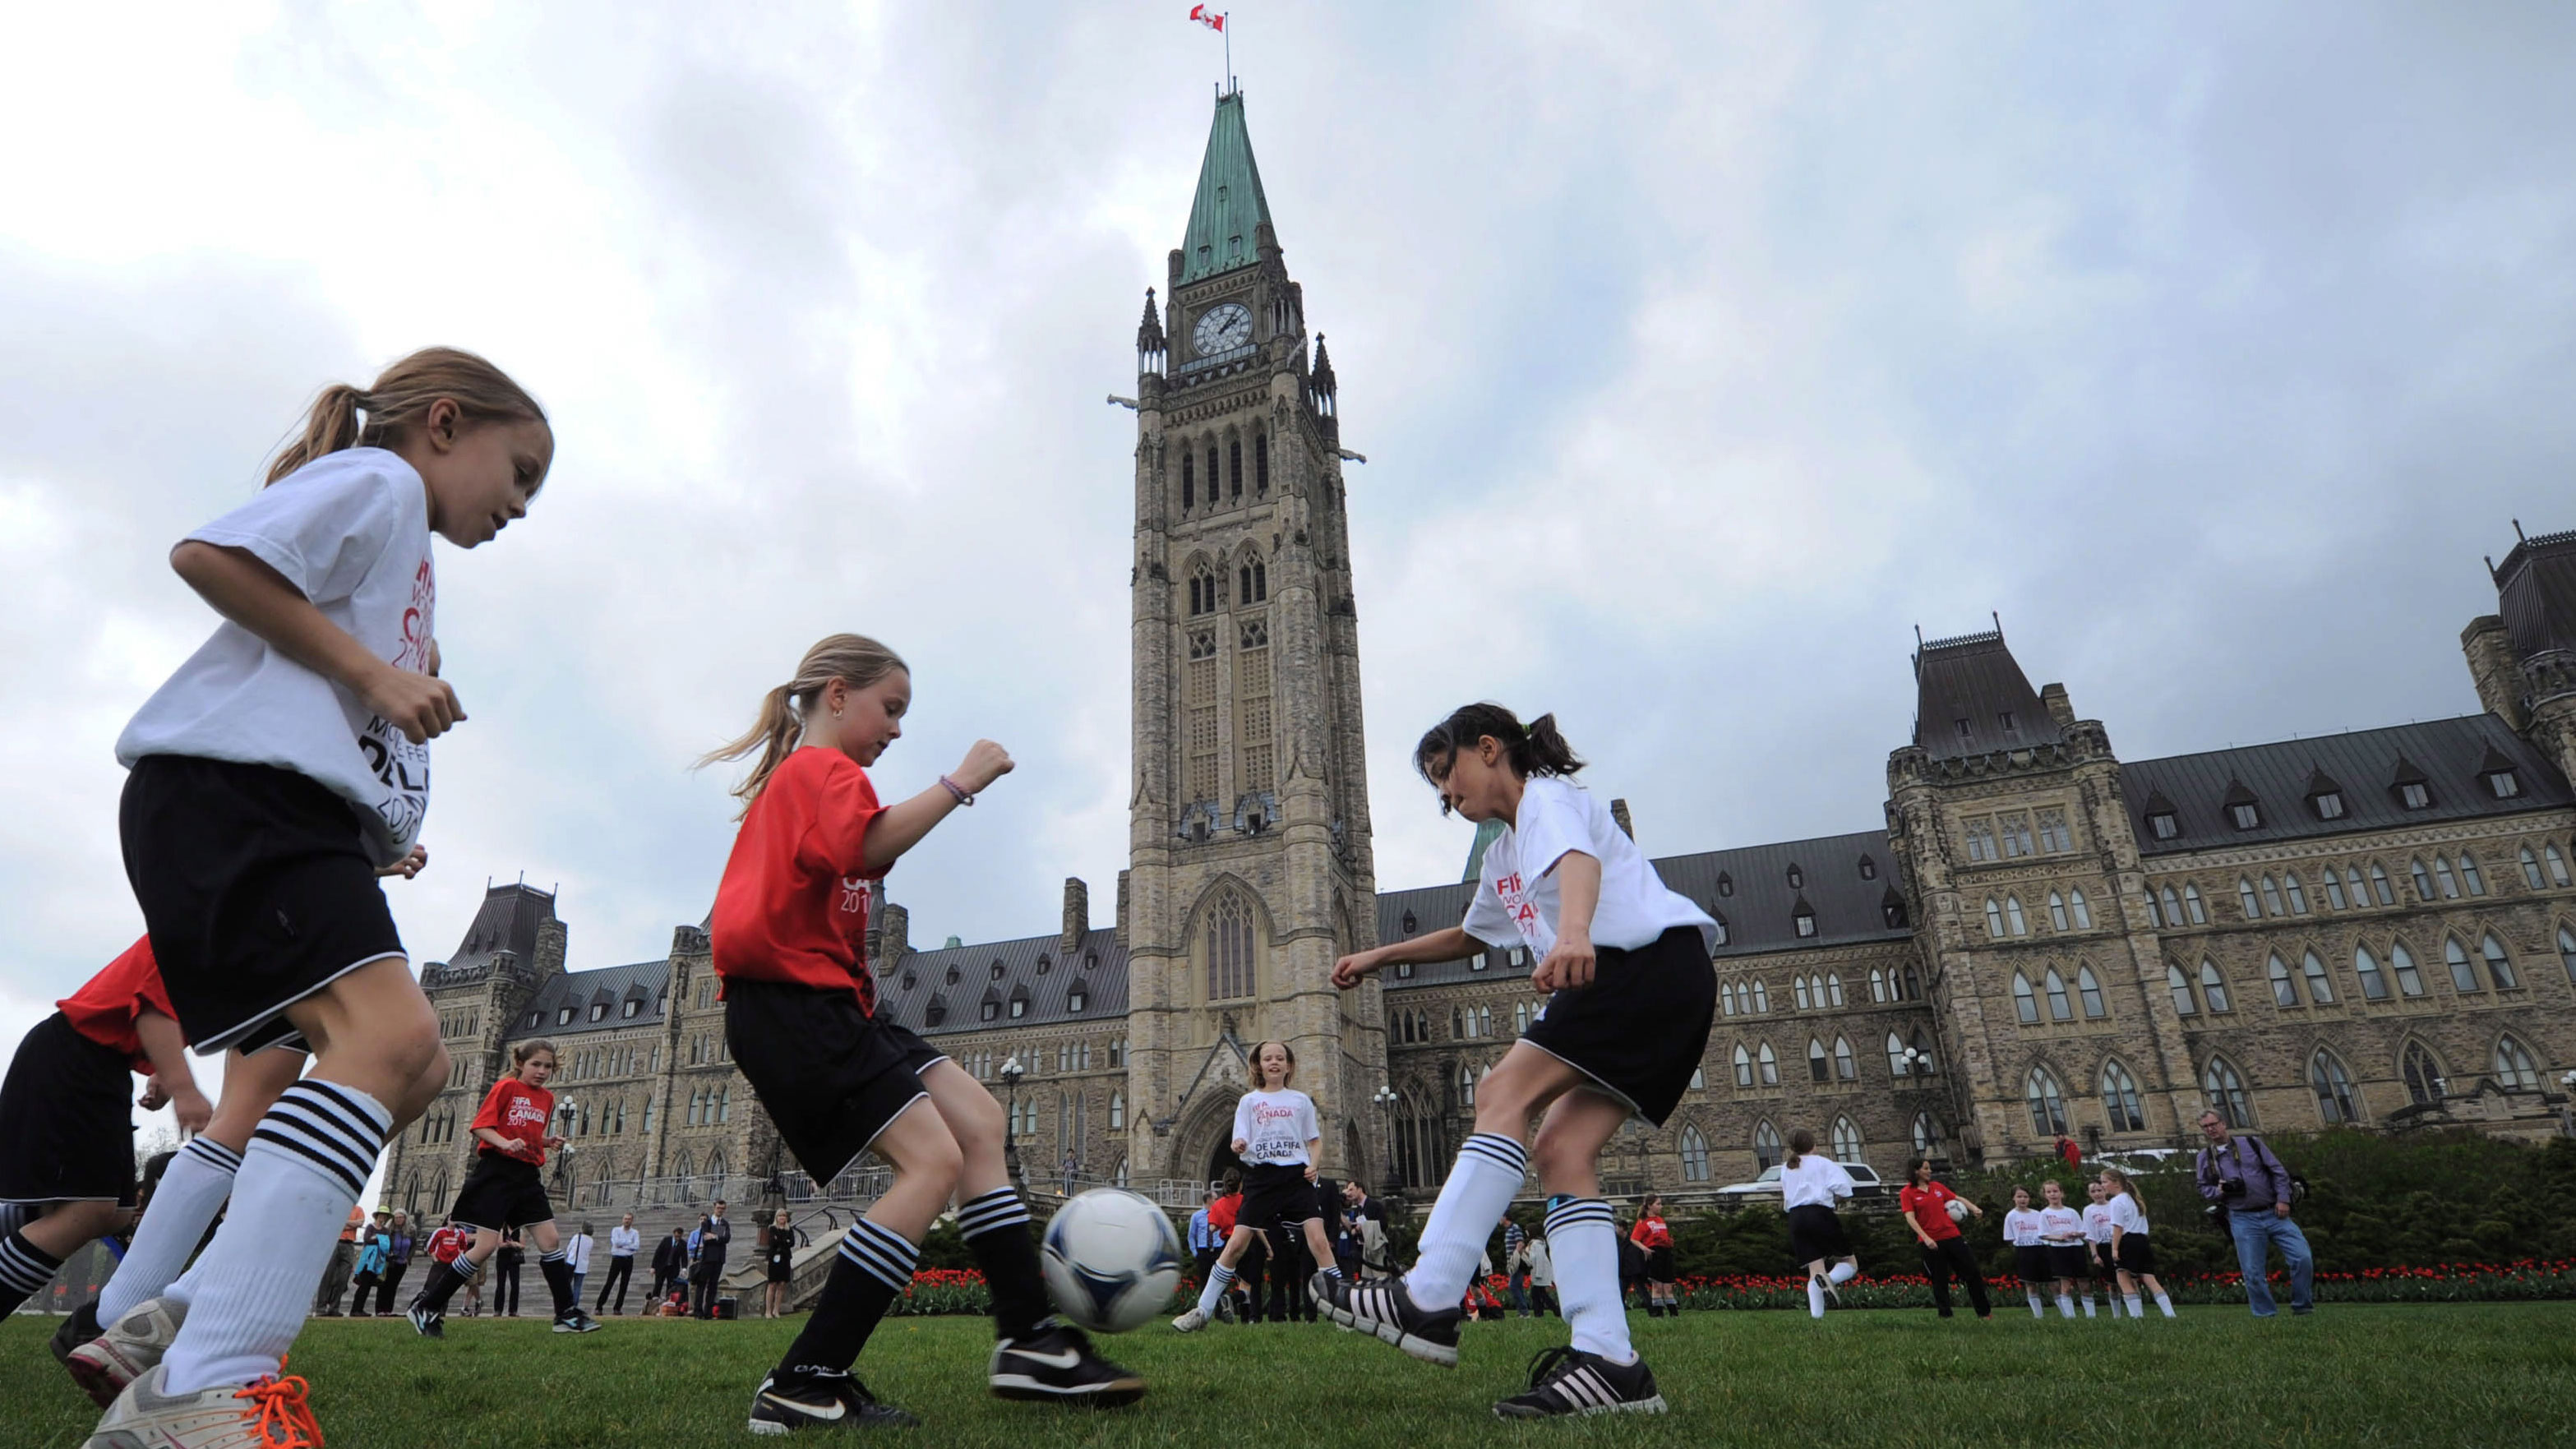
x: 1891, y: 907
x: 2162, y: 825
x: 1410, y: 925
x: 997, y: 970
x: 1403, y: 970
x: 1805, y: 920
x: 1963, y: 727
x: 1480, y: 960
x: 991, y: 1010
x: 2503, y: 784
x: 2011, y: 728
x: 1725, y: 884
x: 564, y: 1017
x: 1797, y: 879
x: 2329, y: 805
x: 1868, y: 868
x: 1019, y: 1006
x: 910, y: 980
x: 1720, y: 934
x: 599, y: 1011
x: 1076, y: 1000
x: 535, y: 1016
x: 2247, y: 815
x: 2414, y: 795
x: 634, y: 1004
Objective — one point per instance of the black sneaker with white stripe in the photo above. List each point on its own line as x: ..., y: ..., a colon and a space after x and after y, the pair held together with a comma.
x: 577, y: 1322
x: 821, y: 1399
x: 1386, y: 1311
x: 426, y: 1322
x: 1567, y: 1381
x: 1056, y: 1364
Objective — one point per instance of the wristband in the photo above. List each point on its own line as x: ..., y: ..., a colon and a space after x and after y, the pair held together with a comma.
x: 963, y: 798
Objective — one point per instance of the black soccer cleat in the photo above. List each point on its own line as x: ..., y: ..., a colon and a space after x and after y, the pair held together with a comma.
x: 577, y: 1322
x: 1568, y: 1383
x: 79, y: 1328
x: 1056, y: 1364
x: 425, y: 1323
x: 821, y: 1399
x: 1386, y: 1311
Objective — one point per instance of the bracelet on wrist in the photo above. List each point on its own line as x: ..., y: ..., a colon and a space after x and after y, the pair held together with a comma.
x: 964, y: 796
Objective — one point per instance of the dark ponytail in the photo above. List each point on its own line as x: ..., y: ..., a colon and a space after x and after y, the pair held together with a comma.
x: 1533, y: 749
x: 1801, y: 1142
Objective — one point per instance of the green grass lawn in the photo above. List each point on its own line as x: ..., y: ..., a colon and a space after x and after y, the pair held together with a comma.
x: 2488, y: 1374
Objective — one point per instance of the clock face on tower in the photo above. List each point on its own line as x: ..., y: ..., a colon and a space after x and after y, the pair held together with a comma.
x: 1222, y: 328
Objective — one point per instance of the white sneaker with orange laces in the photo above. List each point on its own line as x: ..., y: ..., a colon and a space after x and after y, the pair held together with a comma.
x: 268, y: 1414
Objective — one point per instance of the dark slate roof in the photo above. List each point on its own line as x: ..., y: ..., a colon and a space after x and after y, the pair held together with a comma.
x: 1760, y: 913
x: 2536, y: 593
x: 2449, y: 754
x: 507, y: 921
x: 1976, y: 679
x: 578, y: 989
x: 906, y: 988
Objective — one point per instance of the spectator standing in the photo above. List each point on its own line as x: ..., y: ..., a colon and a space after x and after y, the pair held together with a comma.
x: 670, y: 1266
x: 1654, y: 1238
x: 714, y: 1237
x: 577, y: 1257
x: 1205, y: 1243
x: 398, y: 1249
x: 2241, y: 1175
x: 1072, y: 1169
x: 1514, y: 1275
x: 344, y: 1260
x: 1926, y: 1205
x: 1367, y: 1217
x: 623, y: 1243
x: 505, y: 1274
x: 371, y: 1263
x: 1542, y: 1276
x: 2067, y: 1149
x: 778, y: 1247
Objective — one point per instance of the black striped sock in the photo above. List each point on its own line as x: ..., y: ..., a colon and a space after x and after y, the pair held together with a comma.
x: 874, y: 1265
x: 328, y: 1126
x: 557, y: 1268
x: 213, y: 1154
x: 996, y: 1226
x: 25, y: 1269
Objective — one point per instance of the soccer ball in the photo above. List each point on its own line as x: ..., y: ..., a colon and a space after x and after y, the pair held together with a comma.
x: 1111, y: 1260
x: 1958, y: 1210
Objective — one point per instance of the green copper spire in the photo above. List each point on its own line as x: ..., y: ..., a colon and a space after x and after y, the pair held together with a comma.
x: 1229, y: 206
x: 1486, y: 834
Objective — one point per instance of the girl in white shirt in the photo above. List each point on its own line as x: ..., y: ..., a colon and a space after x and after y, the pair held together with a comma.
x: 1277, y: 1136
x: 2129, y: 1246
x: 2061, y: 1232
x: 1810, y: 1186
x: 2030, y: 1260
x: 1631, y: 996
x: 2097, y: 1247
x: 279, y: 768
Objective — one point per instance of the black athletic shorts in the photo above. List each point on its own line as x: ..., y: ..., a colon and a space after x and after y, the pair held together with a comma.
x: 2030, y: 1264
x: 2137, y: 1255
x: 1640, y: 1029
x: 256, y: 890
x: 1276, y: 1196
x: 830, y: 1076
x: 66, y: 1120
x: 502, y: 1192
x: 2068, y: 1260
x: 2100, y: 1253
x: 1815, y: 1232
x: 1659, y: 1265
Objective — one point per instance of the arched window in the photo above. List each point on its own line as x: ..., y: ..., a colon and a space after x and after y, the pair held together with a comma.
x: 2083, y: 912
x: 2245, y: 899
x: 2557, y: 864
x: 1847, y: 1143
x: 2191, y: 903
x: 1761, y: 998
x: 2226, y: 1093
x: 2379, y: 886
x: 2567, y: 952
x: 2450, y: 884
x: 1818, y: 1069
x: 1769, y: 1064
x: 1877, y: 985
x: 2333, y: 886
x: 1833, y: 989
x: 2469, y: 872
x: 1766, y: 1145
x: 1798, y: 986
x: 1994, y: 918
x: 2057, y: 917
x: 2401, y: 963
x: 2013, y: 920
x: 2025, y: 1005
x: 1846, y: 1066
x: 2531, y: 869
x: 2423, y: 881
x: 1923, y: 1063
x: 2298, y: 895
x: 2514, y: 1069
x: 1520, y: 1018
x: 1189, y: 483
x: 2285, y: 992
x: 1117, y: 1110
x: 2173, y: 907
x: 2422, y: 1074
x: 2333, y: 1086
x: 2463, y: 975
x: 2320, y: 986
x: 1926, y: 1136
x: 2271, y: 897
x: 1726, y: 999
x: 2499, y: 965
x: 1694, y: 1155
x: 2059, y: 1009
x: 2120, y: 1102
x: 1234, y: 467
x: 1913, y: 988
x: 1743, y: 1066
x: 2091, y: 991
x: 2180, y: 986
x: 1260, y: 463
x: 1896, y: 1056
x: 1699, y: 1080
x: 2047, y: 1102
x: 1229, y: 949
x: 2374, y: 982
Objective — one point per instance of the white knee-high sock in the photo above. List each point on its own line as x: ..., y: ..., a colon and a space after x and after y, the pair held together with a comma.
x: 1584, y: 1241
x: 2037, y: 1309
x: 1815, y: 1297
x: 1220, y: 1278
x: 2135, y: 1310
x: 1480, y: 1187
x: 1843, y: 1273
x: 192, y: 1189
x: 2088, y: 1305
x: 307, y: 1160
x: 2066, y: 1306
x: 2166, y: 1304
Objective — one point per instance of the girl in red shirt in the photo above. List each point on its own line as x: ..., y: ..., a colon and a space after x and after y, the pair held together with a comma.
x: 1933, y: 1211
x: 505, y: 1190
x: 1655, y: 1240
x: 790, y: 939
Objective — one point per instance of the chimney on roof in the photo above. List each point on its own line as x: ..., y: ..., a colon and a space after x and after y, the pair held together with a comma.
x: 1122, y: 908
x: 894, y: 935
x: 1619, y: 812
x: 2052, y: 697
x: 1077, y: 914
x: 2493, y: 670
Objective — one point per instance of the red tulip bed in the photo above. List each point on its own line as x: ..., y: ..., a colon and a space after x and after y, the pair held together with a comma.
x: 961, y: 1290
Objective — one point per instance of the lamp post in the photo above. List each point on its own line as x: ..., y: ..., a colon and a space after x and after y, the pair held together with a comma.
x: 563, y: 1156
x: 1385, y: 1096
x: 1913, y: 1057
x: 1012, y: 1071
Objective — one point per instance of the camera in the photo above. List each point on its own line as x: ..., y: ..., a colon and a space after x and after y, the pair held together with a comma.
x: 2231, y: 1187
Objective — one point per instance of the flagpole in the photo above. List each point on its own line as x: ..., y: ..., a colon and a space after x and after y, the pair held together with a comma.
x: 1228, y: 33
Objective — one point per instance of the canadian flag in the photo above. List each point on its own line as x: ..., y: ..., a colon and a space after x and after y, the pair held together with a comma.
x: 1209, y: 18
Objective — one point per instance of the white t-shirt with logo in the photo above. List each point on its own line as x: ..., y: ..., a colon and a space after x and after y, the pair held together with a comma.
x: 2061, y: 1225
x: 2127, y: 1216
x: 350, y: 531
x: 2021, y: 1228
x: 2097, y: 1223
x: 1516, y: 893
x: 1274, y: 1127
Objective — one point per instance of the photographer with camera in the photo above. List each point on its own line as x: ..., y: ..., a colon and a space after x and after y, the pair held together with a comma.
x: 2249, y: 1188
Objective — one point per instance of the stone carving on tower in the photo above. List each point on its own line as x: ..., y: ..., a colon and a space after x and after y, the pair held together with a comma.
x: 1250, y: 868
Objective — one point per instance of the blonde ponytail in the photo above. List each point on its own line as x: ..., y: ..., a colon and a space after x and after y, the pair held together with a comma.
x: 399, y: 399
x: 854, y: 659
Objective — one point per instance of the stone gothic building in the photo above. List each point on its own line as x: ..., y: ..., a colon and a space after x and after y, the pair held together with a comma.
x: 2376, y: 927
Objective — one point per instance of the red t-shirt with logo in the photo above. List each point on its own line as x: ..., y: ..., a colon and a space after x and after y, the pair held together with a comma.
x: 1222, y: 1212
x: 793, y: 906
x: 1650, y: 1233
x: 515, y: 1109
x: 1931, y: 1209
x: 447, y: 1242
x: 104, y: 1010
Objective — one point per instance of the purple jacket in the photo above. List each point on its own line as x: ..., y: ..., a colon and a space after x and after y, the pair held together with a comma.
x: 2267, y: 1182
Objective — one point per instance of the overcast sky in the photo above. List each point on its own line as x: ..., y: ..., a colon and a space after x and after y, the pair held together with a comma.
x: 1699, y: 353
